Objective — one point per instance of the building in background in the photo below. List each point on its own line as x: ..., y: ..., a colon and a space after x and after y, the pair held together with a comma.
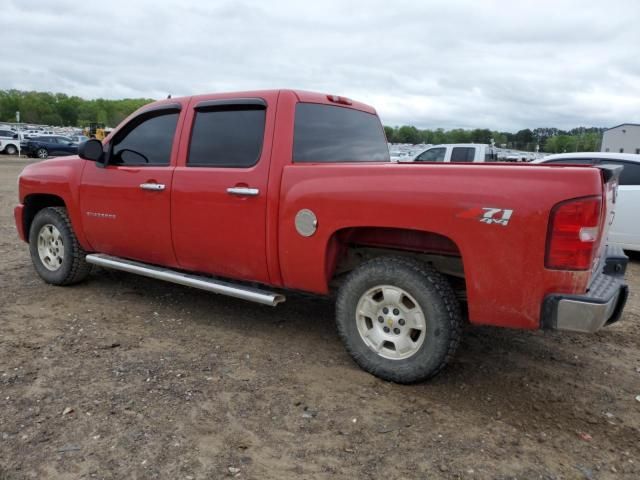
x: 624, y: 138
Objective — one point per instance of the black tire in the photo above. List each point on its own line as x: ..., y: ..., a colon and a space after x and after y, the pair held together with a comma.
x: 434, y: 295
x: 10, y: 150
x: 42, y: 153
x: 73, y: 268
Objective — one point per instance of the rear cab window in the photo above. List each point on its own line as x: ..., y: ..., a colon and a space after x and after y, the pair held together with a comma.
x: 333, y: 134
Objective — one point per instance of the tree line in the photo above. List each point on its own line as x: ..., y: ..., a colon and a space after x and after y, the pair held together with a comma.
x: 59, y: 109
x: 551, y: 140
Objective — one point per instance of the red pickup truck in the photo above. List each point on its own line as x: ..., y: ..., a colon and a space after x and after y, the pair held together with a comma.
x: 251, y: 194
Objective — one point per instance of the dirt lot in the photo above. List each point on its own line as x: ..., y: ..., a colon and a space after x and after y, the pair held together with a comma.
x: 126, y: 377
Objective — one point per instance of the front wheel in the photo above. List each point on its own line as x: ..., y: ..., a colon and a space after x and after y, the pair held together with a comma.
x: 399, y: 319
x: 55, y: 252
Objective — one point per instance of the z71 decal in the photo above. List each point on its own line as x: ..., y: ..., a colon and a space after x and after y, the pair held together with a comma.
x: 489, y: 215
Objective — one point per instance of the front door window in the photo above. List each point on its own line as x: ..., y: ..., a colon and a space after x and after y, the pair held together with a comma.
x: 145, y: 141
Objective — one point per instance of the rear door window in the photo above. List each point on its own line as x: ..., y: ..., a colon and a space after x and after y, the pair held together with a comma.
x: 227, y: 136
x: 463, y: 154
x: 432, y: 155
x: 327, y: 133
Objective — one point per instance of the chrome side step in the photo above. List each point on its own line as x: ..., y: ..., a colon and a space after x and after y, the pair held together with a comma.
x: 204, y: 283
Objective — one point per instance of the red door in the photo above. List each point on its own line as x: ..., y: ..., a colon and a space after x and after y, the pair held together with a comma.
x: 219, y: 190
x: 126, y: 206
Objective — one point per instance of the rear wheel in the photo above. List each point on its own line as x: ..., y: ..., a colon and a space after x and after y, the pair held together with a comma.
x: 399, y: 319
x: 10, y: 150
x: 42, y: 153
x: 55, y: 252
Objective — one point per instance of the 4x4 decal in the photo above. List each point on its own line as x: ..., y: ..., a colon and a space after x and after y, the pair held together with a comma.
x: 488, y: 215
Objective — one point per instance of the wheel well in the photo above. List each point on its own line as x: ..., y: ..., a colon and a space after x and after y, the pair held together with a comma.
x: 33, y: 204
x: 351, y: 247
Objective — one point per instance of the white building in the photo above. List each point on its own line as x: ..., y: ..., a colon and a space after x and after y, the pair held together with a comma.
x: 624, y: 138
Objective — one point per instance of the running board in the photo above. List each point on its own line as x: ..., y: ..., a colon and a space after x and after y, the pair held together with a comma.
x: 196, y: 281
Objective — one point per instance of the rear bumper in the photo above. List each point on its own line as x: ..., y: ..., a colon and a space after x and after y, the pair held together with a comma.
x: 601, y: 305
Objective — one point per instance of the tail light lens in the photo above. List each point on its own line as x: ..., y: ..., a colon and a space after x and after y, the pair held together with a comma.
x: 574, y: 234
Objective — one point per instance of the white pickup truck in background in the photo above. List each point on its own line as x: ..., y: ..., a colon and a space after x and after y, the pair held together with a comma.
x: 457, y: 152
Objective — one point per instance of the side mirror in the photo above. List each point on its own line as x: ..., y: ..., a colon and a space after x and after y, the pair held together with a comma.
x: 91, y: 150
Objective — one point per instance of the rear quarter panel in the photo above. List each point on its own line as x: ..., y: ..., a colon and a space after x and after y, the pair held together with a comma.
x: 504, y: 265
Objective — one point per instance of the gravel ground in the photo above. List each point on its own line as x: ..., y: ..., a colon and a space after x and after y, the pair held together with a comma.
x: 127, y: 377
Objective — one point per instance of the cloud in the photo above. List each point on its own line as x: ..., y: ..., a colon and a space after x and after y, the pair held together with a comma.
x: 495, y: 64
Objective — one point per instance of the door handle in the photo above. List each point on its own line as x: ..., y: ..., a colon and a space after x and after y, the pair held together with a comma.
x: 243, y: 191
x: 152, y: 186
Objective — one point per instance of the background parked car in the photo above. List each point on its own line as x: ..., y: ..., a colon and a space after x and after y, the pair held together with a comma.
x: 625, y: 230
x: 44, y: 147
x: 79, y: 138
x: 9, y: 142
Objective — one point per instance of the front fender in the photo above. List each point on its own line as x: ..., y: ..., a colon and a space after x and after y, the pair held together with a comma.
x: 57, y: 178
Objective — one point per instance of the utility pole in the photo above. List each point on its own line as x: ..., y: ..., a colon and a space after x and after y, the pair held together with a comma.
x: 19, y: 138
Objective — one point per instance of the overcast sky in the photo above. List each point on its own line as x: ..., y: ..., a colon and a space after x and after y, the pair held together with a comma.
x: 500, y: 65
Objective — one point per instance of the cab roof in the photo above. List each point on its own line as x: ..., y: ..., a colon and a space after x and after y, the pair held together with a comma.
x: 302, y: 95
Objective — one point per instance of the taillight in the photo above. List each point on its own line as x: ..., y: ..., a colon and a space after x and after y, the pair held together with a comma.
x: 574, y: 233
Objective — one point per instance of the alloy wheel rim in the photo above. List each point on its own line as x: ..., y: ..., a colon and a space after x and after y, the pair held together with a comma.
x: 391, y: 322
x: 50, y: 247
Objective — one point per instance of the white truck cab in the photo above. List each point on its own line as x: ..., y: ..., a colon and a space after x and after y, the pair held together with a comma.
x: 458, y: 152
